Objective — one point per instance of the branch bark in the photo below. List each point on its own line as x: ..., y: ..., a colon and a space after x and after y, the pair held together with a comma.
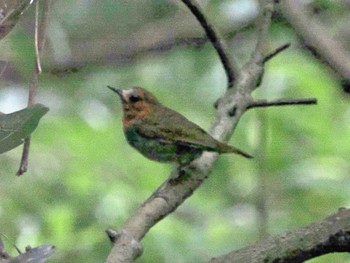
x: 215, y: 39
x: 328, y: 236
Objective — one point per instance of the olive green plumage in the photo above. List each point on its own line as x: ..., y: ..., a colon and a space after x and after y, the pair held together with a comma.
x: 163, y: 134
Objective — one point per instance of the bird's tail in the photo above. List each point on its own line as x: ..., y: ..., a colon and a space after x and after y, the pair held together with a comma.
x: 224, y: 148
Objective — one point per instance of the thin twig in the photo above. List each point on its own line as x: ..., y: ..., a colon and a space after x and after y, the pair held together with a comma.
x: 9, y: 13
x: 11, y: 242
x: 40, y: 28
x: 41, y: 32
x: 12, y: 15
x: 276, y: 52
x: 318, y: 36
x: 37, y: 41
x: 282, y: 102
x: 215, y: 39
x: 3, y: 253
x: 123, y: 51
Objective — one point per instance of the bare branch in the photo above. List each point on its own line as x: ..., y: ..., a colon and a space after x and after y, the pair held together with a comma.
x: 38, y: 42
x: 3, y: 253
x: 8, y: 14
x: 327, y: 236
x: 318, y: 37
x: 264, y: 25
x: 215, y: 39
x: 24, y: 159
x: 121, y: 51
x: 40, y: 28
x: 282, y: 102
x: 10, y: 241
x: 38, y: 254
x: 11, y: 12
x: 276, y: 52
x: 253, y: 70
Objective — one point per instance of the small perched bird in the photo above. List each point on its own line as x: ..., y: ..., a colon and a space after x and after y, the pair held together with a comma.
x: 162, y: 134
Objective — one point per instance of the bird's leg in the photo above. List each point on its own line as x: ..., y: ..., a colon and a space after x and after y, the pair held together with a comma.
x: 183, y: 173
x: 177, y: 176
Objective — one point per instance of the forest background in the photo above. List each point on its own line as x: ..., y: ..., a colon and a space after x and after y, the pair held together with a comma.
x: 83, y: 177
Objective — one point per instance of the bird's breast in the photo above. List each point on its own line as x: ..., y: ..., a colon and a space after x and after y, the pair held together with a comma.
x: 152, y: 148
x: 134, y: 115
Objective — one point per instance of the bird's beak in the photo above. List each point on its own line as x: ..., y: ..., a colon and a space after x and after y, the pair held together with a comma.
x: 119, y: 92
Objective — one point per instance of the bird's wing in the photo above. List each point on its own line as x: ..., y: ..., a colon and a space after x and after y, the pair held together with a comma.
x: 169, y: 126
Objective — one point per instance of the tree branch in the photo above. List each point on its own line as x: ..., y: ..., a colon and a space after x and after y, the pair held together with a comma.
x: 276, y: 52
x: 282, y: 102
x: 10, y: 12
x: 40, y: 28
x: 215, y: 39
x: 174, y: 192
x: 264, y: 25
x: 139, y: 44
x: 318, y: 37
x: 327, y: 236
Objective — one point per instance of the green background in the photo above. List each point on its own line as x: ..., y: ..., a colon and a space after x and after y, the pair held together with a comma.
x: 83, y: 176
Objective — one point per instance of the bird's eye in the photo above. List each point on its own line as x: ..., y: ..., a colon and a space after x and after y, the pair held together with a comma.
x: 134, y: 99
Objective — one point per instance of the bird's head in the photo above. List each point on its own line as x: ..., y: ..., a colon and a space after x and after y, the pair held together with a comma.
x: 137, y: 102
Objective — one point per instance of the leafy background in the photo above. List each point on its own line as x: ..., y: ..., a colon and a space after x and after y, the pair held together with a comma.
x: 84, y: 178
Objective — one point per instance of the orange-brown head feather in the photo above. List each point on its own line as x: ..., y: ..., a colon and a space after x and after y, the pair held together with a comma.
x: 137, y: 103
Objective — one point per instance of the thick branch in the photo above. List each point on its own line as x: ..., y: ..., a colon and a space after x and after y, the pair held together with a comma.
x: 318, y: 37
x: 327, y: 236
x: 174, y: 192
x: 215, y: 39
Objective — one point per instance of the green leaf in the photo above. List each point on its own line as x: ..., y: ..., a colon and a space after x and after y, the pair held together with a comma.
x: 14, y: 127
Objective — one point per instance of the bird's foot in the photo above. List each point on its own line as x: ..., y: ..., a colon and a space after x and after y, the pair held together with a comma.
x: 182, y: 174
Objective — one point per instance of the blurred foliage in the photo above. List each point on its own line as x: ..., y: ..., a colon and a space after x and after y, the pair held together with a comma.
x: 83, y: 176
